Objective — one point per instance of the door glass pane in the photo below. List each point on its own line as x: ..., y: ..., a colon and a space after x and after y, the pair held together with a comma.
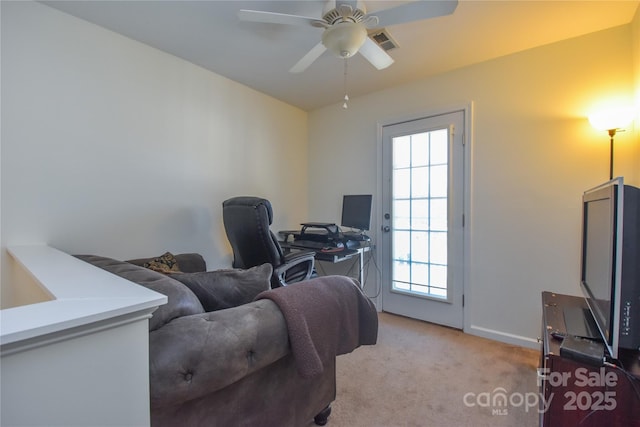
x: 401, y: 183
x: 401, y: 246
x: 419, y: 274
x: 439, y: 181
x: 438, y: 146
x: 438, y: 274
x: 420, y: 212
x: 419, y: 181
x: 419, y: 246
x: 401, y: 152
x: 438, y: 214
x: 438, y: 246
x: 419, y: 150
x: 403, y: 275
x: 402, y: 211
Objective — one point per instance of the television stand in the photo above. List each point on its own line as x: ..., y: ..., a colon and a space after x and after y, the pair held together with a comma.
x: 574, y: 393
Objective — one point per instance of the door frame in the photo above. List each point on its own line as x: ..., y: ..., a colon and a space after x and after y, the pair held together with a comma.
x: 467, y: 109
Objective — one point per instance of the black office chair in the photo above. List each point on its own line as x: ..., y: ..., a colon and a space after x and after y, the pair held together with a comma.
x: 247, y: 221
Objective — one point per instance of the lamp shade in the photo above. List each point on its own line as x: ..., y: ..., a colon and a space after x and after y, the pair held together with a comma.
x: 345, y: 38
x: 613, y: 118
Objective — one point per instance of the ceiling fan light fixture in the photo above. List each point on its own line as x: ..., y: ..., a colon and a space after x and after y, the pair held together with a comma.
x: 344, y: 39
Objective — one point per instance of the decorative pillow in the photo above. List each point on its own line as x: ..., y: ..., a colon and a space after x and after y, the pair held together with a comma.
x: 165, y: 263
x: 222, y: 289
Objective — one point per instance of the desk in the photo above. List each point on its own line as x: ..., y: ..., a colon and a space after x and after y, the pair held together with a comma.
x: 336, y: 255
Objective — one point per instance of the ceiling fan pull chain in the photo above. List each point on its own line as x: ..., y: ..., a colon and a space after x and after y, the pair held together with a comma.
x: 346, y: 97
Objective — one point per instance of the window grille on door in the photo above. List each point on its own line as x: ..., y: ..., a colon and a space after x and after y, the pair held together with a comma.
x: 420, y: 207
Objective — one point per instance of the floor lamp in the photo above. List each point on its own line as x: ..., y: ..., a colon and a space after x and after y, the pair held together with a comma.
x: 612, y: 121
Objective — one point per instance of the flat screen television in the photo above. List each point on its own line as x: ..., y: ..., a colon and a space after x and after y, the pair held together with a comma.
x: 610, y: 262
x: 356, y: 211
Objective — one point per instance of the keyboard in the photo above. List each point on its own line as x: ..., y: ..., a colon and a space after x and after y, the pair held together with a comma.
x: 352, y: 235
x: 311, y: 244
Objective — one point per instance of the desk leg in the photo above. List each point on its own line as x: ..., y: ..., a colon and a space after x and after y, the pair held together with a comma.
x: 361, y: 267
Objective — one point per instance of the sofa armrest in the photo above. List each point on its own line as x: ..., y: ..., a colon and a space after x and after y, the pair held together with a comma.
x: 193, y: 356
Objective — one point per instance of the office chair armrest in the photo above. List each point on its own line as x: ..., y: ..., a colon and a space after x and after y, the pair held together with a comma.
x: 294, y: 259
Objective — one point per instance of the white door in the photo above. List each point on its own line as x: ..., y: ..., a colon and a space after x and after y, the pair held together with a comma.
x: 423, y: 207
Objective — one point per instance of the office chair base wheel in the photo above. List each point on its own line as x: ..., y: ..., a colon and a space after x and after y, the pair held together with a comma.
x: 323, y: 417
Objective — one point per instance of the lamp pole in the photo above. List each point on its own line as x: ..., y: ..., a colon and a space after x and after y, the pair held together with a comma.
x: 613, y: 121
x: 612, y: 133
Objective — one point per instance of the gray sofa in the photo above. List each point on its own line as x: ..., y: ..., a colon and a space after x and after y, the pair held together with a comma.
x: 229, y: 367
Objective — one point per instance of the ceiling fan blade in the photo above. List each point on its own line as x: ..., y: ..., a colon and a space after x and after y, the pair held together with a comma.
x: 328, y: 5
x: 415, y: 11
x: 277, y: 18
x: 308, y: 59
x: 345, y: 10
x: 375, y: 54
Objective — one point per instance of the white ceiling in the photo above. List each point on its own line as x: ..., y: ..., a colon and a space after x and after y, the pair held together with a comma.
x: 209, y: 34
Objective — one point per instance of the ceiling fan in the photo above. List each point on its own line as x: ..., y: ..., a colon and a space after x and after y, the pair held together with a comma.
x: 345, y: 24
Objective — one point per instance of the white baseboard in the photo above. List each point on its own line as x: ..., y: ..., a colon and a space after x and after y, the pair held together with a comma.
x: 503, y: 337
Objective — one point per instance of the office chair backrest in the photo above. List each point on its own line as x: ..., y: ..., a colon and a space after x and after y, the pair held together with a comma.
x: 247, y: 221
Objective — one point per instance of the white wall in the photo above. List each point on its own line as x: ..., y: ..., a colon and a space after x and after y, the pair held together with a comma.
x: 635, y: 37
x: 533, y: 153
x: 113, y: 148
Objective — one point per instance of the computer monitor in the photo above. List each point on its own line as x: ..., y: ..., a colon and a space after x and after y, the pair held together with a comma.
x: 356, y: 211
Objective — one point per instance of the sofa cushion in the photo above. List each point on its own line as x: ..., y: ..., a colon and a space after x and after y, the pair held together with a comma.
x: 222, y: 289
x: 181, y: 301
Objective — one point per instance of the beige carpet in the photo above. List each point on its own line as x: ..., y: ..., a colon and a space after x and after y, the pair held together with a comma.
x: 420, y: 374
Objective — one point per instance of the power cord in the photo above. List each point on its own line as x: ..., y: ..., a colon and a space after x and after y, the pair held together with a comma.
x: 633, y: 381
x: 372, y: 257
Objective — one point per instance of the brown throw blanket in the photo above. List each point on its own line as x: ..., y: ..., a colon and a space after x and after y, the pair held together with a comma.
x: 326, y: 316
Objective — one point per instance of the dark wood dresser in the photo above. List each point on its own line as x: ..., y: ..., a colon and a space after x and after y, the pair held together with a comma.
x: 578, y: 394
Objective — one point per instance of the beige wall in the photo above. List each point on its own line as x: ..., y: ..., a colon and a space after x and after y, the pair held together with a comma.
x: 635, y: 37
x: 533, y: 154
x: 114, y: 148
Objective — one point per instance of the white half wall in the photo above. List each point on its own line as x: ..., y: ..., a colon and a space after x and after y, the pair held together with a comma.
x: 81, y: 358
x: 533, y: 153
x: 101, y: 378
x: 114, y: 148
